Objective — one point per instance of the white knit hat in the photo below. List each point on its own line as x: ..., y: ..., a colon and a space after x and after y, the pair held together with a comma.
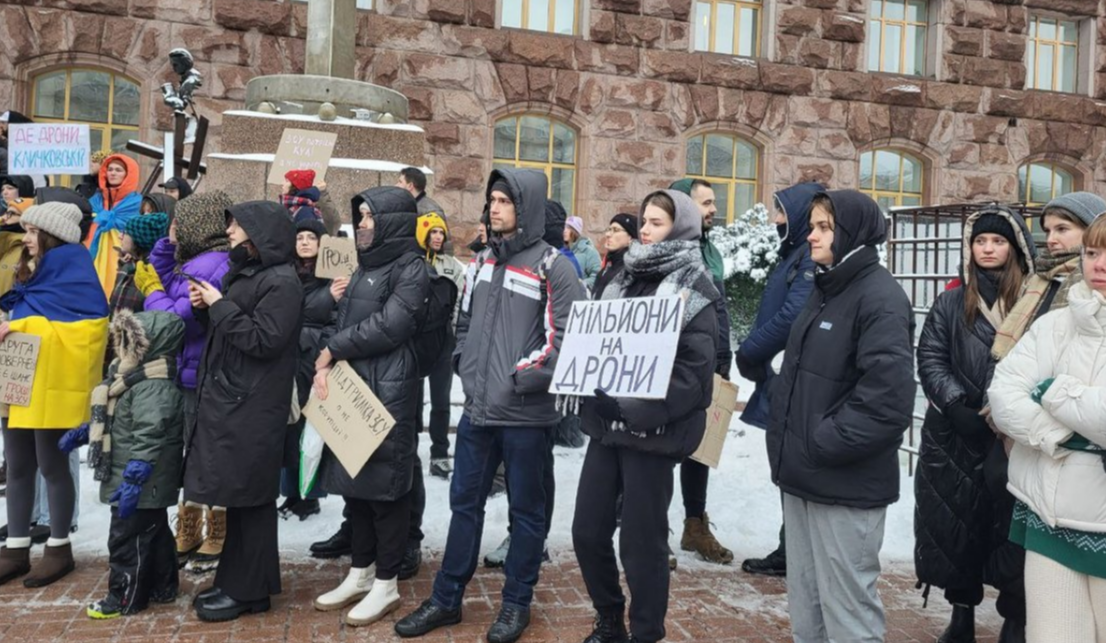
x: 63, y: 220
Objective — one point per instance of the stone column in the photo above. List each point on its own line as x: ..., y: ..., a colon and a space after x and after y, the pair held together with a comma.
x: 332, y: 29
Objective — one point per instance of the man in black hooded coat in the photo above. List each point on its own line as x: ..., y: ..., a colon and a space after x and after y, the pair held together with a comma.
x: 840, y: 406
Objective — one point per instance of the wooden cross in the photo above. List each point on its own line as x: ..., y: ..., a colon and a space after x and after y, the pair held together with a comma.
x: 175, y: 157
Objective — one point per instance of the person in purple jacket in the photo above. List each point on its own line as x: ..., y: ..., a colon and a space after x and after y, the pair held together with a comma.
x: 196, y: 248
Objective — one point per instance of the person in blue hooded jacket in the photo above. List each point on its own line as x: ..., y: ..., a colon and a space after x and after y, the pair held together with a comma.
x: 786, y: 292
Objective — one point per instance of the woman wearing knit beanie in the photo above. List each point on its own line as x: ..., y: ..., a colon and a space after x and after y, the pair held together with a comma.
x: 62, y: 303
x: 621, y: 231
x: 961, y: 512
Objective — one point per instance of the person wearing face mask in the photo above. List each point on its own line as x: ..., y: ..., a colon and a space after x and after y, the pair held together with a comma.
x: 1064, y: 220
x: 960, y: 538
x: 786, y: 292
x: 636, y: 443
x: 374, y: 330
x: 621, y: 231
x: 233, y: 457
x: 840, y: 405
x: 1047, y: 398
x: 118, y: 200
x: 60, y: 301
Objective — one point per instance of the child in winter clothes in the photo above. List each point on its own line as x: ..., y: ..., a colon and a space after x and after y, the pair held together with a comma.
x: 138, y: 239
x: 300, y: 195
x: 1048, y: 397
x: 136, y: 450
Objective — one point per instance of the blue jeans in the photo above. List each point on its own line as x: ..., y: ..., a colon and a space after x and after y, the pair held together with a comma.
x: 478, y: 451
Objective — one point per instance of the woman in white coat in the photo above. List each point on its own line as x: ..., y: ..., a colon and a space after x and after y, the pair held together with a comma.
x: 1048, y: 397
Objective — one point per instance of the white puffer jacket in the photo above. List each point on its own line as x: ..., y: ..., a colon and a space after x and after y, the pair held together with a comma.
x: 1064, y: 488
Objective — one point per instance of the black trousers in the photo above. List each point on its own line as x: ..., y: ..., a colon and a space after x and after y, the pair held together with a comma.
x: 549, y: 483
x: 379, y: 534
x: 646, y: 482
x: 693, y: 487
x: 250, y: 566
x: 142, y: 556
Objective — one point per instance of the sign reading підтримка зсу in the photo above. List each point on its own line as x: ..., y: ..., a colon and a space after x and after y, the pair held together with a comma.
x: 624, y: 346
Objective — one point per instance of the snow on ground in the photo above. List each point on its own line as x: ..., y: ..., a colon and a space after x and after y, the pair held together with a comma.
x: 743, y: 504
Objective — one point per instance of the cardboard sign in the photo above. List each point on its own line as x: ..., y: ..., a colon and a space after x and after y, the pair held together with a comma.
x: 624, y: 346
x: 352, y: 421
x: 18, y: 358
x: 302, y: 149
x: 723, y: 398
x: 337, y: 257
x: 48, y: 148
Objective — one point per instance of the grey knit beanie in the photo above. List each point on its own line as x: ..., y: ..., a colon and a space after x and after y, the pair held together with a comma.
x: 63, y: 220
x: 1085, y: 206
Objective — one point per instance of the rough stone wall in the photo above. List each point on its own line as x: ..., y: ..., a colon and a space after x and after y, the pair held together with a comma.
x: 632, y: 89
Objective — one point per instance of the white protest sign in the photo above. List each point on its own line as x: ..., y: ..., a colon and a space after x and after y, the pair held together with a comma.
x: 48, y: 148
x: 302, y: 149
x: 337, y: 257
x: 352, y: 420
x: 18, y: 358
x: 624, y: 346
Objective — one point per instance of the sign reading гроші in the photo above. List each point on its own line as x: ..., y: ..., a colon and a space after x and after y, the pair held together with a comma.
x: 626, y: 347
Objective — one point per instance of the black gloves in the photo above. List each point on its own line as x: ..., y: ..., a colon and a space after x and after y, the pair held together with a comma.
x: 607, y: 407
x: 750, y: 371
x: 968, y: 422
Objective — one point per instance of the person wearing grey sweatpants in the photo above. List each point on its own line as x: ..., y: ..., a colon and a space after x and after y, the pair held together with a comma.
x: 840, y: 405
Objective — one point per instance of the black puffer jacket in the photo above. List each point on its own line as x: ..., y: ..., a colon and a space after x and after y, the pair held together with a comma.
x: 846, y: 391
x: 377, y: 321
x: 249, y: 362
x: 960, y: 533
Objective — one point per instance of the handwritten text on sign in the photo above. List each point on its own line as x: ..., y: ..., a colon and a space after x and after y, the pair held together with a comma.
x: 48, y: 148
x: 723, y: 396
x: 18, y: 357
x: 302, y: 149
x: 352, y: 420
x: 624, y: 346
x: 337, y: 257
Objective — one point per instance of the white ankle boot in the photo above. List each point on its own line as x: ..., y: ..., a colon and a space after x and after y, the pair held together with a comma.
x: 382, y: 599
x: 354, y: 588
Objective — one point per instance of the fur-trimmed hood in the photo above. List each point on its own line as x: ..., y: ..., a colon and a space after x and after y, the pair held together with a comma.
x: 143, y: 337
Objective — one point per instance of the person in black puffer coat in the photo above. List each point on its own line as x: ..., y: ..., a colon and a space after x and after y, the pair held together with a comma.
x: 960, y: 530
x: 377, y: 322
x: 318, y: 306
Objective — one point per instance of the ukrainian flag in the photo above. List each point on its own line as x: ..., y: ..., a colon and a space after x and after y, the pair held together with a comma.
x: 63, y: 304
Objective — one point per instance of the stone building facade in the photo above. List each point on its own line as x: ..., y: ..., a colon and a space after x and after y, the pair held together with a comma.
x: 629, y: 86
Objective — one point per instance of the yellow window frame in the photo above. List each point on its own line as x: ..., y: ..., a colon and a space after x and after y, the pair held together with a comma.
x: 904, y: 25
x: 895, y: 195
x: 549, y: 166
x: 755, y: 5
x: 734, y: 180
x: 551, y: 19
x: 1054, y: 171
x: 1036, y: 42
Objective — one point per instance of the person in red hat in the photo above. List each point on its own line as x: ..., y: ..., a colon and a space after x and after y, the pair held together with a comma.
x: 300, y: 196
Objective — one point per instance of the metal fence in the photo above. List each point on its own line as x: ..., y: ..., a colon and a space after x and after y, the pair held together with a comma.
x: 924, y: 255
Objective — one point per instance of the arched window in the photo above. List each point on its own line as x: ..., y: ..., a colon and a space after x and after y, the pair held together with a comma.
x: 1039, y: 183
x: 108, y: 102
x: 891, y: 178
x: 540, y: 143
x: 731, y: 165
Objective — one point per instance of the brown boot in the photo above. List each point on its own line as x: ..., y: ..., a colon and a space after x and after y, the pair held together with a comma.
x: 190, y: 530
x: 698, y: 538
x: 14, y: 563
x: 55, y: 564
x: 207, y: 557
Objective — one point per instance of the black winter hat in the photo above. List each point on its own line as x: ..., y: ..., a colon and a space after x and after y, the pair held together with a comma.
x: 502, y: 186
x: 990, y: 223
x: 627, y: 222
x: 311, y: 225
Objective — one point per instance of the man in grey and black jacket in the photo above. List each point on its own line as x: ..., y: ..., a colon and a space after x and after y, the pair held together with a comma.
x: 840, y: 406
x: 514, y: 307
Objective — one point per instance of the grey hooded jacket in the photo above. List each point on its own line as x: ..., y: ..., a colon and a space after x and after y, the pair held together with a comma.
x: 516, y: 301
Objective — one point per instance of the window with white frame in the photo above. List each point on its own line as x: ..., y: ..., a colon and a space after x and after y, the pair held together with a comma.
x: 728, y: 27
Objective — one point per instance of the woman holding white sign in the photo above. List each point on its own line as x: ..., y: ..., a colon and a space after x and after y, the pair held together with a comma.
x: 379, y: 318
x: 636, y: 442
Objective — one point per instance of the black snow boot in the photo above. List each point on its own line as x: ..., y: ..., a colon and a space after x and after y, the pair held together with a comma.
x: 775, y: 564
x: 337, y: 545
x: 1012, y: 631
x: 962, y: 626
x: 609, y: 628
x: 412, y: 561
x: 426, y: 619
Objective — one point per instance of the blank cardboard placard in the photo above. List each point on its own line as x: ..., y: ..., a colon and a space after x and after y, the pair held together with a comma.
x: 18, y: 358
x: 302, y: 149
x: 724, y: 395
x: 352, y: 420
x: 337, y: 257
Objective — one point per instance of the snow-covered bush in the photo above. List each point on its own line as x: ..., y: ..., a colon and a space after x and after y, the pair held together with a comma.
x: 749, y: 247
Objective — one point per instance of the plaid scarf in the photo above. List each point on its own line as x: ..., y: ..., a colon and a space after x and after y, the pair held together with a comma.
x: 104, y: 397
x: 1047, y: 269
x: 295, y: 203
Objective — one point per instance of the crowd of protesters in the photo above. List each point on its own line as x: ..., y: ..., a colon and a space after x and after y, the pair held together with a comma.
x: 180, y: 334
